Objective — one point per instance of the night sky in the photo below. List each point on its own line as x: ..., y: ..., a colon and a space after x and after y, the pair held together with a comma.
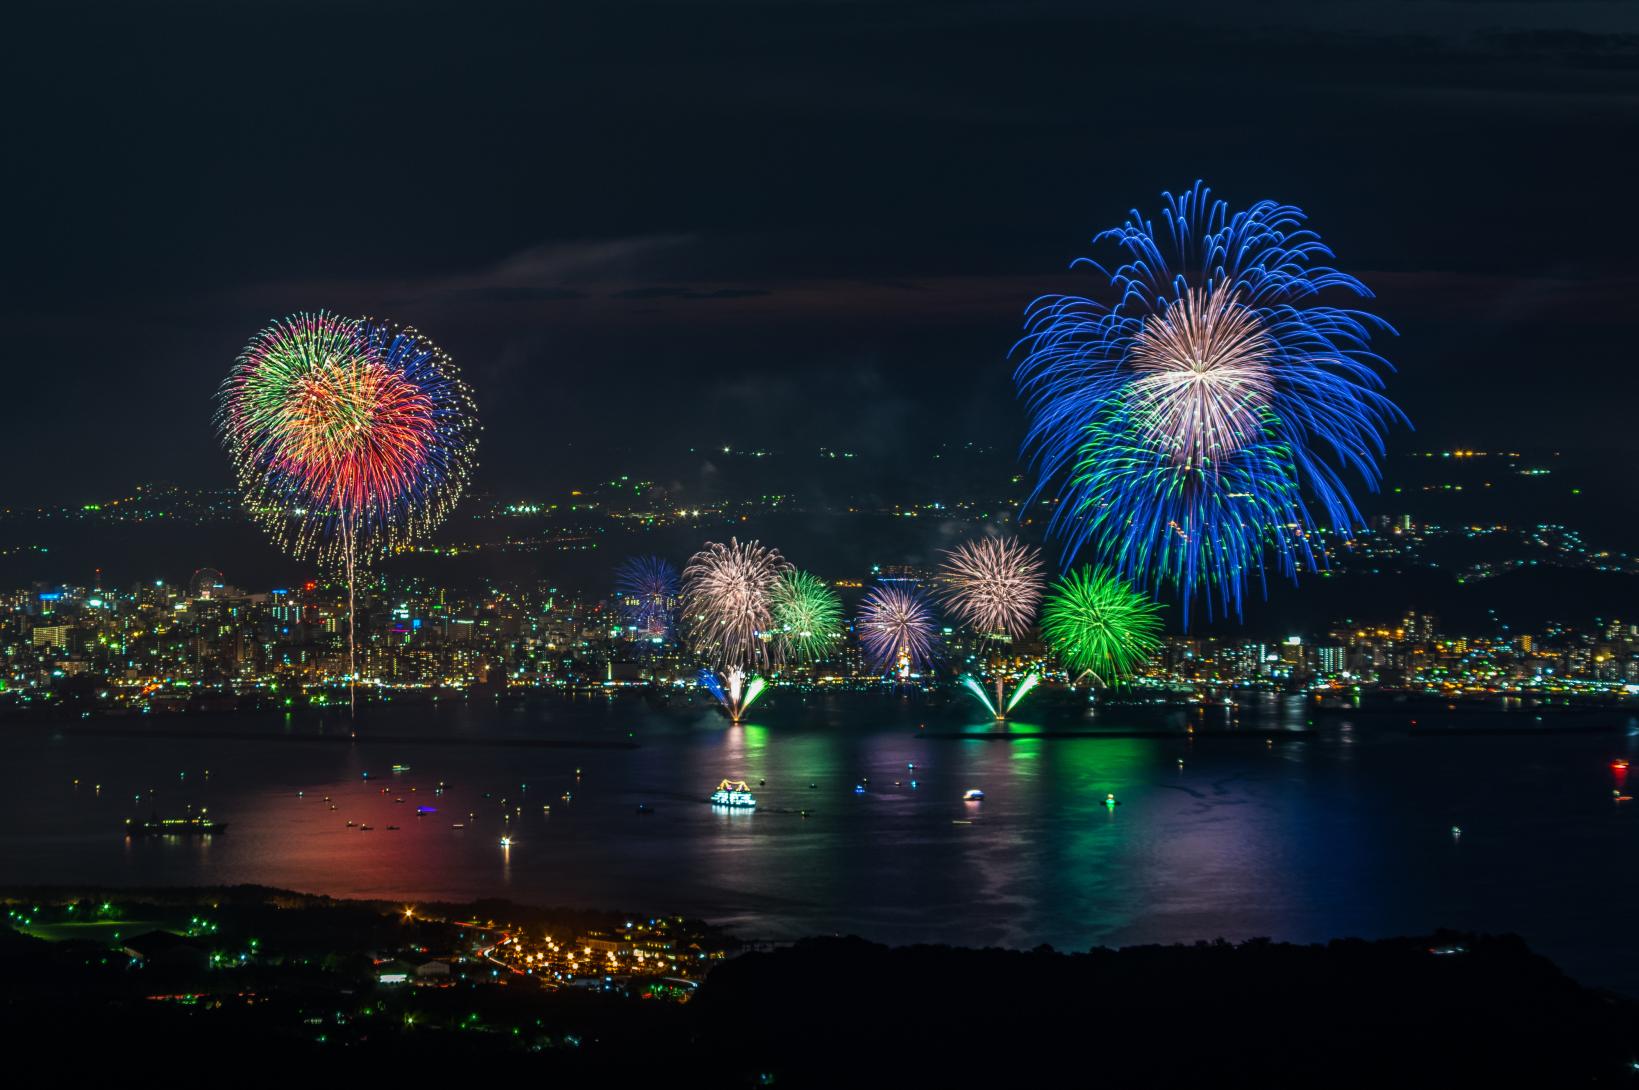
x: 644, y: 227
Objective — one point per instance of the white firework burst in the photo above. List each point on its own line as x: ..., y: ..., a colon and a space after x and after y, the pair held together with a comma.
x: 896, y: 627
x: 1205, y: 375
x: 994, y: 585
x: 728, y: 600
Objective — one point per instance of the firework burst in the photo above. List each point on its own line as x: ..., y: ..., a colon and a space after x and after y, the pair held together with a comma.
x: 1208, y: 414
x: 896, y: 628
x: 807, y: 616
x: 348, y: 437
x: 993, y: 585
x: 728, y: 600
x: 646, y: 587
x: 1097, y: 624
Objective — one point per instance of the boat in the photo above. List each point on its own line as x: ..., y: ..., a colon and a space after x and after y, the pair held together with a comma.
x: 644, y: 808
x: 734, y: 793
x: 188, y: 826
x: 1619, y: 764
x: 973, y: 794
x: 458, y: 825
x: 365, y: 828
x: 401, y: 768
x: 392, y: 828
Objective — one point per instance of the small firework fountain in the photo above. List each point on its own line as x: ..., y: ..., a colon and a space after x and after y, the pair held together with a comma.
x: 349, y: 438
x: 994, y: 586
x: 728, y: 612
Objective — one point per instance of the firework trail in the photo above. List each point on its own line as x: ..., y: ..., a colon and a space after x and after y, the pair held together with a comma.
x: 1207, y: 416
x: 807, y: 616
x: 896, y: 628
x: 646, y: 587
x: 993, y: 585
x: 349, y: 437
x: 728, y: 601
x: 1096, y: 623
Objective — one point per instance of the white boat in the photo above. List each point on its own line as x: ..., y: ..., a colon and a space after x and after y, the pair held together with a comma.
x: 735, y: 793
x: 973, y: 795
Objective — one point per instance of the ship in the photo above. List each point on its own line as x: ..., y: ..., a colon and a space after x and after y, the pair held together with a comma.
x: 735, y: 793
x: 186, y: 826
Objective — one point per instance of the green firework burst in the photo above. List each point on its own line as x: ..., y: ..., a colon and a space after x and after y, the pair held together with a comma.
x: 1097, y: 623
x: 807, y: 616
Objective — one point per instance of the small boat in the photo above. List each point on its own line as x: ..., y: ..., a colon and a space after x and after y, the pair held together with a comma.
x: 458, y: 825
x: 392, y: 828
x: 1111, y: 801
x: 734, y: 793
x: 352, y: 824
x: 1617, y: 796
x: 426, y: 809
x: 401, y: 768
x: 188, y: 826
x: 1619, y: 764
x: 365, y: 828
x: 859, y: 789
x: 644, y: 808
x: 973, y: 794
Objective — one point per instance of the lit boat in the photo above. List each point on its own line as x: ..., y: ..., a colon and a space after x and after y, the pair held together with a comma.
x: 188, y: 826
x: 735, y: 793
x: 401, y: 768
x: 1619, y: 763
x: 973, y: 795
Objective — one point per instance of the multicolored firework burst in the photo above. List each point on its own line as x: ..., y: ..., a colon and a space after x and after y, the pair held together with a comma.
x: 1097, y: 624
x: 993, y: 585
x: 646, y: 589
x: 728, y: 600
x: 807, y: 616
x: 896, y: 628
x: 1206, y: 417
x: 348, y: 436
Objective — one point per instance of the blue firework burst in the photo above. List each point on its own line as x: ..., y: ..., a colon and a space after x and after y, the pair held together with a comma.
x: 646, y: 591
x: 1196, y: 424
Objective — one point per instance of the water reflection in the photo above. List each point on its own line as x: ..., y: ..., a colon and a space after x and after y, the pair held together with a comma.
x: 1346, y: 831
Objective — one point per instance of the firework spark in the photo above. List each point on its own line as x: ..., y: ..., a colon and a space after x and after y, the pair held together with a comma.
x: 1204, y: 378
x: 728, y: 600
x: 896, y: 628
x: 1096, y: 623
x: 1208, y: 414
x: 348, y: 437
x: 807, y: 616
x: 993, y: 585
x: 646, y: 589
